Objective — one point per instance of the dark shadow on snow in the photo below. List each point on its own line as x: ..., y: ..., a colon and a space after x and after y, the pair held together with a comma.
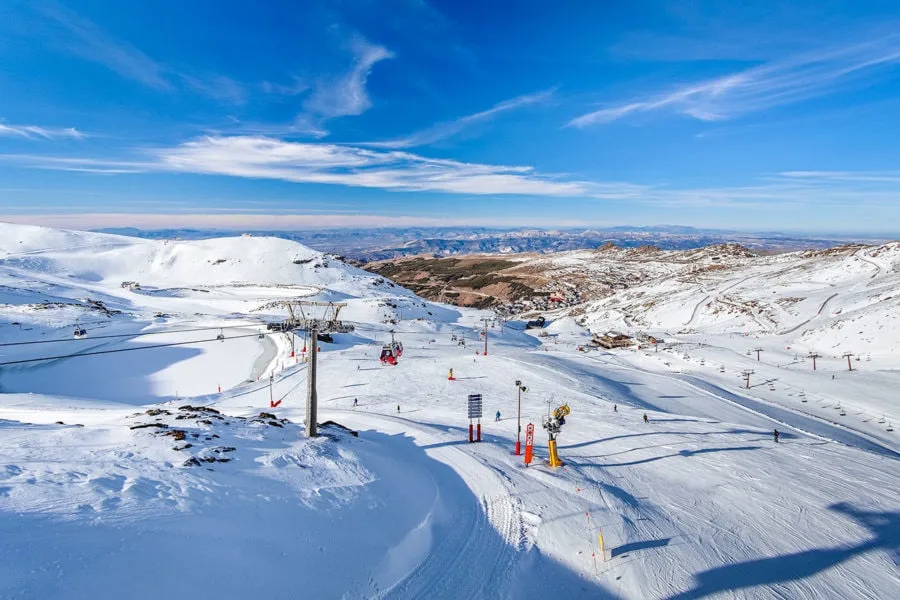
x: 682, y: 453
x: 686, y: 433
x: 639, y: 546
x: 884, y: 528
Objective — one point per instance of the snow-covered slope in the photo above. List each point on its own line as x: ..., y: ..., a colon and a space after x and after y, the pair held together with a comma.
x: 52, y: 281
x: 94, y: 258
x: 815, y: 298
x: 176, y: 463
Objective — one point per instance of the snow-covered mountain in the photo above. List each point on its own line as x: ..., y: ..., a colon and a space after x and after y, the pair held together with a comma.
x: 844, y: 298
x: 111, y: 259
x: 164, y: 450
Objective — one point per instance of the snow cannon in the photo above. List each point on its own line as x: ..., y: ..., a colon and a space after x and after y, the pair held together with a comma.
x: 553, y: 424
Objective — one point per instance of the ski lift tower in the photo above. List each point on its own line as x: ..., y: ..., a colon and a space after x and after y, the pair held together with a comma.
x: 814, y: 356
x: 847, y: 355
x: 315, y: 318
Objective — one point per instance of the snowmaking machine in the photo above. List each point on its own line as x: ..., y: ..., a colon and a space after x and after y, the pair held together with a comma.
x: 553, y: 424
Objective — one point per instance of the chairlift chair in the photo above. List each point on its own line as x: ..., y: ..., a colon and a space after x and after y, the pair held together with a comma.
x: 79, y: 333
x: 221, y: 336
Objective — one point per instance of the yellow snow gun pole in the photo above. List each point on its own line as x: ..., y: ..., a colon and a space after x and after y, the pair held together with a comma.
x: 554, y: 456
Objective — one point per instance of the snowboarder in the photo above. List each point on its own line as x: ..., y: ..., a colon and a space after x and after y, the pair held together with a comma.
x: 498, y: 416
x: 775, y: 435
x: 615, y: 408
x: 646, y: 420
x: 355, y: 402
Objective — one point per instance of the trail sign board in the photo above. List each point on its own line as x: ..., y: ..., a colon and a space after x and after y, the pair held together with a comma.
x: 474, y: 406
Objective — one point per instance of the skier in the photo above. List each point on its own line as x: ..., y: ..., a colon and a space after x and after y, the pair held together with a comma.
x: 498, y: 416
x: 615, y: 408
x: 355, y: 402
x: 398, y: 408
x: 646, y: 420
x: 775, y: 435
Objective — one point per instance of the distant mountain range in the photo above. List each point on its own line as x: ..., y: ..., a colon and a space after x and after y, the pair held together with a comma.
x: 365, y: 245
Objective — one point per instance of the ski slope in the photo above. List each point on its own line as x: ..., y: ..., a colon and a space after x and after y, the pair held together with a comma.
x: 126, y: 474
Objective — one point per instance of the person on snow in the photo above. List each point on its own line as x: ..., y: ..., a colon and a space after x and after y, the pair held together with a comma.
x: 775, y: 435
x: 355, y: 402
x: 646, y: 420
x: 615, y: 408
x: 398, y: 408
x: 498, y: 416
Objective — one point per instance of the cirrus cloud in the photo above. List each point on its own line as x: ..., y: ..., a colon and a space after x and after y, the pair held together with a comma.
x: 793, y: 79
x: 302, y: 162
x: 260, y: 157
x: 36, y: 132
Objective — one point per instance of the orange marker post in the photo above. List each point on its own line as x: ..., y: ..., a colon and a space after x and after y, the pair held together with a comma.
x: 529, y: 443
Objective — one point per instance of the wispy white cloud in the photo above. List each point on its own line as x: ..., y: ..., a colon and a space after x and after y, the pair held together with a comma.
x: 346, y: 95
x: 300, y: 162
x: 77, y: 164
x: 35, y: 132
x: 217, y: 87
x: 844, y: 176
x: 295, y: 87
x: 776, y: 83
x: 277, y: 220
x: 244, y: 221
x: 303, y: 126
x: 311, y: 162
x: 83, y: 38
x: 259, y: 157
x: 442, y: 131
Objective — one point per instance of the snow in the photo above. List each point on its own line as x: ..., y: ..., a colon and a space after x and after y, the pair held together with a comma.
x: 699, y: 502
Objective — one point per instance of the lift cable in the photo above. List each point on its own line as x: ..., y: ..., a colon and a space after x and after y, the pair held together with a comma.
x: 266, y: 386
x: 122, y: 335
x: 96, y: 352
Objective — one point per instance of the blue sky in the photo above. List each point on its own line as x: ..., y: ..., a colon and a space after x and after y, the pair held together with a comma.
x: 744, y: 115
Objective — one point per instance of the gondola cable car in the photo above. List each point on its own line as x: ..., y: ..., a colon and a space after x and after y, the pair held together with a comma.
x: 388, y: 357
